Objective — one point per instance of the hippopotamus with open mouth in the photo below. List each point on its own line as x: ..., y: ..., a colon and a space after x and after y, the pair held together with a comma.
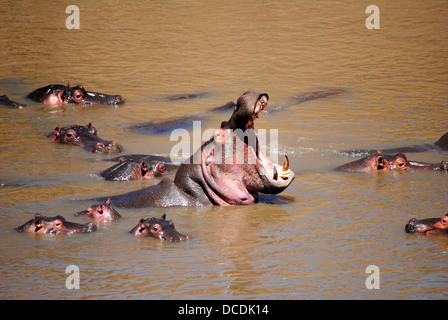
x: 229, y: 169
x: 58, y: 94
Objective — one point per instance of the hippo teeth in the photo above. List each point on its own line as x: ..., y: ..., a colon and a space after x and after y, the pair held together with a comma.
x: 285, y: 169
x: 275, y: 177
x: 286, y: 164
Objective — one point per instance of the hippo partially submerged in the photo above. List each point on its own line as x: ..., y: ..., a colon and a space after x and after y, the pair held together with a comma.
x: 100, y: 212
x: 229, y: 169
x: 429, y: 227
x: 439, y: 145
x: 85, y: 137
x: 380, y: 162
x: 137, y: 169
x: 161, y: 229
x: 58, y: 94
x: 54, y: 225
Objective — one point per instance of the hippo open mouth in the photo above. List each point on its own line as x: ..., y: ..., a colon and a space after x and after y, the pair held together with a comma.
x: 236, y: 169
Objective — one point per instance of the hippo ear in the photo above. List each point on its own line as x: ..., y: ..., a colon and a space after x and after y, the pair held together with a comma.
x: 57, y: 131
x: 36, y: 215
x: 144, y: 168
x: 108, y: 201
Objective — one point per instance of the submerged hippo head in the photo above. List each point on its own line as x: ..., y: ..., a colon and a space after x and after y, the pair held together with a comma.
x: 54, y: 225
x: 431, y: 226
x: 100, y: 212
x: 387, y: 162
x: 85, y: 137
x: 235, y: 169
x: 131, y: 169
x: 158, y: 228
x: 57, y: 94
x: 79, y: 95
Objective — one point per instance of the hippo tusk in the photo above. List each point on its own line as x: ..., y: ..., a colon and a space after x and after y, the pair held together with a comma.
x: 286, y: 164
x: 285, y: 169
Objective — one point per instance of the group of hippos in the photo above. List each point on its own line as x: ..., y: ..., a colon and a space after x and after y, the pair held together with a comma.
x: 229, y: 169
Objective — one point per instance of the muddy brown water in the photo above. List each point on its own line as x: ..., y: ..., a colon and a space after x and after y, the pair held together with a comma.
x: 317, y: 238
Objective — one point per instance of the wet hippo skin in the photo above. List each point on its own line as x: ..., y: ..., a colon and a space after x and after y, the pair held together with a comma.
x: 380, y: 162
x: 429, y: 227
x: 85, y: 137
x: 58, y: 94
x: 100, y: 212
x: 4, y: 101
x: 158, y: 228
x: 439, y: 145
x: 54, y: 225
x: 132, y: 169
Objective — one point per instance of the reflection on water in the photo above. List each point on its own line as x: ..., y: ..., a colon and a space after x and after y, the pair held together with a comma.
x: 315, y: 240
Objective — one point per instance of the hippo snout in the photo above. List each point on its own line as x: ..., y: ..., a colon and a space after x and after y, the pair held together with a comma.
x: 89, y: 227
x: 410, y: 226
x: 118, y: 100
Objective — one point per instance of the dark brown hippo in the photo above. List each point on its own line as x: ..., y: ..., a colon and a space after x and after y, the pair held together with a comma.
x: 140, y: 157
x: 100, y: 212
x: 439, y: 145
x: 158, y: 228
x: 389, y: 162
x: 54, y: 225
x: 132, y: 169
x: 85, y: 137
x: 226, y: 170
x: 58, y: 94
x: 186, y: 122
x: 429, y: 227
x: 4, y: 101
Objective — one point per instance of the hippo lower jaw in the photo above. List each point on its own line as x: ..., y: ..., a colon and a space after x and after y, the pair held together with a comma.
x: 276, y: 177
